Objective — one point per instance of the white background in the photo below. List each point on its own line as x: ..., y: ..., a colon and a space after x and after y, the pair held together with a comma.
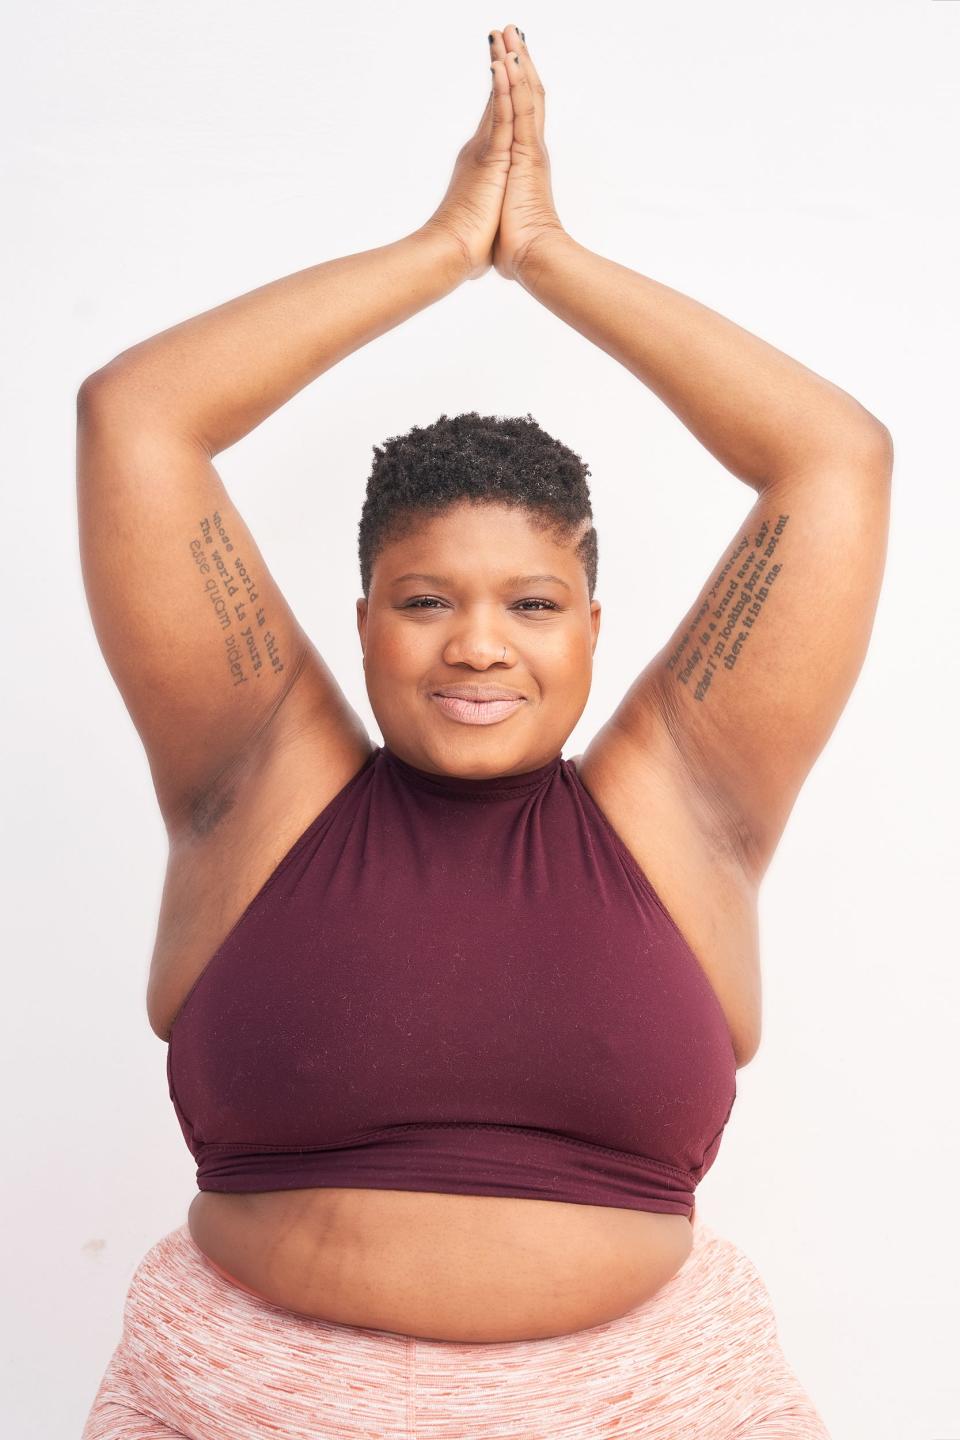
x: 793, y: 167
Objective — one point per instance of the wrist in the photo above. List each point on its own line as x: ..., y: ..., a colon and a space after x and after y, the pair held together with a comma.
x: 536, y: 253
x: 449, y: 254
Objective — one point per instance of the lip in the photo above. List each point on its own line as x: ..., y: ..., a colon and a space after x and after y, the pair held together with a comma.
x: 477, y: 712
x: 464, y: 690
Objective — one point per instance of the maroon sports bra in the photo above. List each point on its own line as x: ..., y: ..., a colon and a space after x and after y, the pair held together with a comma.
x: 456, y: 985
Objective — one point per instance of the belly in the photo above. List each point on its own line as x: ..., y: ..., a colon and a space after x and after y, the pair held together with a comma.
x: 469, y: 1268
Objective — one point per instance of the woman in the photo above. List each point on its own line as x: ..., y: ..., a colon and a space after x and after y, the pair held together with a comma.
x: 453, y: 1023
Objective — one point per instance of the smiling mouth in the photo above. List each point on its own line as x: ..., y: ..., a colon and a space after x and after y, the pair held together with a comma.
x: 477, y: 712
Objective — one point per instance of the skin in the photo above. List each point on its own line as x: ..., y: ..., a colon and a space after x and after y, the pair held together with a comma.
x: 478, y: 628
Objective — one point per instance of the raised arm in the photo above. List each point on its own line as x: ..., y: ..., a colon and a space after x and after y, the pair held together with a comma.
x: 754, y: 678
x: 196, y: 633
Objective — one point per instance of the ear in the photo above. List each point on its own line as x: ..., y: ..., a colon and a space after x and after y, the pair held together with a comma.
x: 595, y: 608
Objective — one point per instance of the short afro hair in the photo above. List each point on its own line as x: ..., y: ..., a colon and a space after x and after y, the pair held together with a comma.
x: 487, y: 459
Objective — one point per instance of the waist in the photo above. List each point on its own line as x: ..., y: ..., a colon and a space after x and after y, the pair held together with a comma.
x: 440, y: 1266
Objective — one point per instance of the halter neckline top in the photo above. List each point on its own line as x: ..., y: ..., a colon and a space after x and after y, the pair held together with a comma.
x: 455, y: 984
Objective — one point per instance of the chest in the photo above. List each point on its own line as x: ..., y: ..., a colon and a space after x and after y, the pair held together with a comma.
x: 450, y: 930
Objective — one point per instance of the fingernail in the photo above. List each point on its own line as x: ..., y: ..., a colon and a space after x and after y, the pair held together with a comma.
x: 489, y: 39
x: 516, y: 59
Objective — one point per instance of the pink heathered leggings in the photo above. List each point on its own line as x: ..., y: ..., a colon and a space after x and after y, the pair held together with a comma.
x: 203, y: 1359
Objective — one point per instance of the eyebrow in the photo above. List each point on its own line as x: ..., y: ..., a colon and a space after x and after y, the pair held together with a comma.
x: 511, y: 582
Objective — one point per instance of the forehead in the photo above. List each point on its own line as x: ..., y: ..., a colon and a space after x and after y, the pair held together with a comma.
x: 472, y: 539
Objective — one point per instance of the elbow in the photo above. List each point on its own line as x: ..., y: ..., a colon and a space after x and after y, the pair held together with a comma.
x: 876, y: 445
x: 123, y: 397
x: 92, y: 391
x: 85, y: 394
x: 861, y: 446
x: 118, y: 379
x: 114, y: 400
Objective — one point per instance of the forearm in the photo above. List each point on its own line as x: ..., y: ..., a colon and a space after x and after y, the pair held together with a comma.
x: 762, y: 414
x: 217, y: 375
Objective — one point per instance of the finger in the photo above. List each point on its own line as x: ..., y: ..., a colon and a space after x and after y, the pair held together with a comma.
x: 526, y: 130
x: 501, y: 133
x: 513, y: 40
x: 488, y: 113
x: 498, y: 49
x: 497, y: 52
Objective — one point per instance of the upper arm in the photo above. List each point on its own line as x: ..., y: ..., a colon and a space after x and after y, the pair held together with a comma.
x: 754, y: 679
x: 201, y: 643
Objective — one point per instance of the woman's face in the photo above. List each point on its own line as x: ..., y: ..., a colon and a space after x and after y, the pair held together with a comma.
x: 449, y: 606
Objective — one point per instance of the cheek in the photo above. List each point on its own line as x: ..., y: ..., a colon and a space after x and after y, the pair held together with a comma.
x: 409, y: 648
x: 401, y: 655
x: 572, y: 665
x: 566, y: 650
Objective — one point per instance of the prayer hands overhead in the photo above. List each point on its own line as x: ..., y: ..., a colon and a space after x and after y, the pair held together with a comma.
x: 499, y: 200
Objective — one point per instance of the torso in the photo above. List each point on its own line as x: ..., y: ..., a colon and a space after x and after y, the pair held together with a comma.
x: 447, y: 1267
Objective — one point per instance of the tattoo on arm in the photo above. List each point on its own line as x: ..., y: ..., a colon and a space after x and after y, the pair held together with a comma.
x: 250, y: 648
x: 718, y: 633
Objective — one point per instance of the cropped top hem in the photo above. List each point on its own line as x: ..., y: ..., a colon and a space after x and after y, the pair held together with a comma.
x: 456, y: 1159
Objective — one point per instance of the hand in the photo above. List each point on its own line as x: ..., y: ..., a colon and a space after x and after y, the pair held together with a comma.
x: 469, y: 212
x: 528, y: 209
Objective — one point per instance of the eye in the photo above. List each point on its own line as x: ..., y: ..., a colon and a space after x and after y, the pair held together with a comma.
x: 424, y: 601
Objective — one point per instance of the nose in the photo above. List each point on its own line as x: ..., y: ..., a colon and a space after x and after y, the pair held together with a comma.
x: 476, y: 637
x: 479, y: 654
